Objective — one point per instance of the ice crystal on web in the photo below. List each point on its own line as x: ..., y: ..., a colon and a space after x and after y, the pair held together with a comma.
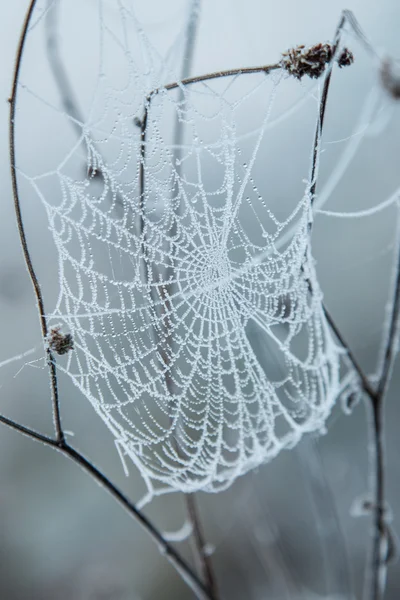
x: 196, y: 336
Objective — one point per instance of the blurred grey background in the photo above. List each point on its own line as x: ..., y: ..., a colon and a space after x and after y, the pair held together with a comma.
x: 285, y: 530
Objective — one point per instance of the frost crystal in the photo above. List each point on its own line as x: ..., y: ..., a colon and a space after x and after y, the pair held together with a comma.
x: 196, y: 339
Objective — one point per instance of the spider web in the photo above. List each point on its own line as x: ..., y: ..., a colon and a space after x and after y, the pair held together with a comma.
x: 197, y: 339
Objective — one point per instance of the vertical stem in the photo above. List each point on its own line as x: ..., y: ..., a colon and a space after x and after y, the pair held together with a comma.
x: 322, y: 109
x: 203, y: 559
x: 376, y: 578
x: 376, y: 572
x: 182, y: 568
x: 21, y: 230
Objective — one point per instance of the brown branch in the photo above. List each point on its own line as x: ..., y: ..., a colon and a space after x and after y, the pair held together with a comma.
x: 365, y: 383
x: 390, y: 350
x: 218, y: 75
x: 201, y: 558
x: 375, y: 579
x: 322, y: 110
x: 377, y: 398
x: 164, y: 547
x: 27, y: 431
x: 205, y: 566
x: 59, y: 443
x: 21, y: 230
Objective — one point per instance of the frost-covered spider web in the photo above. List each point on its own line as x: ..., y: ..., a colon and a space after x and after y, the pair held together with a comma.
x: 196, y: 336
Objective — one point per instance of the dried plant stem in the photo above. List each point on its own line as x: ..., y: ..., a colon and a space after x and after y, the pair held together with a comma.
x: 376, y: 571
x: 322, y: 109
x: 21, y: 230
x: 59, y: 443
x: 164, y: 547
x: 71, y: 107
x: 381, y: 537
x: 203, y: 558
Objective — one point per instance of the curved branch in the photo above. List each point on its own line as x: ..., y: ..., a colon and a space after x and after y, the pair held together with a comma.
x: 21, y: 230
x: 59, y: 443
x: 375, y: 573
x: 165, y: 548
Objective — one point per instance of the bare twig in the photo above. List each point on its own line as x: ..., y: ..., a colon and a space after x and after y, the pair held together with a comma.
x: 59, y: 443
x: 366, y: 385
x: 376, y: 587
x: 322, y: 109
x: 165, y: 548
x: 375, y: 582
x: 376, y: 571
x: 203, y: 558
x: 21, y: 230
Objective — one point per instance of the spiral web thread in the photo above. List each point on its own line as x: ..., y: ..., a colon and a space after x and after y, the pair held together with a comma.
x: 171, y: 278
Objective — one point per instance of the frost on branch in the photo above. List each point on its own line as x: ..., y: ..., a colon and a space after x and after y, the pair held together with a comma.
x: 196, y: 337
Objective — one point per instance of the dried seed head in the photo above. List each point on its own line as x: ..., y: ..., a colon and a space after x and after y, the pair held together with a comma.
x: 61, y: 343
x: 300, y: 61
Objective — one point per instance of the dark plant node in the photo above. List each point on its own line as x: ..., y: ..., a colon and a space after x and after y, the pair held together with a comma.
x: 61, y: 343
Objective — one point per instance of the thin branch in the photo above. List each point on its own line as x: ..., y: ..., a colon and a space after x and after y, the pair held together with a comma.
x: 380, y: 528
x: 313, y: 188
x: 218, y: 75
x: 376, y: 573
x: 205, y: 566
x: 21, y: 230
x: 375, y: 582
x: 180, y: 84
x: 164, y: 547
x: 366, y: 385
x: 322, y: 109
x: 208, y: 77
x: 202, y: 559
x: 27, y: 431
x: 180, y: 565
x: 391, y: 344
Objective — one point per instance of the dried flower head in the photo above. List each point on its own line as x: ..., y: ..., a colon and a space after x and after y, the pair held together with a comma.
x: 61, y: 343
x: 300, y: 61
